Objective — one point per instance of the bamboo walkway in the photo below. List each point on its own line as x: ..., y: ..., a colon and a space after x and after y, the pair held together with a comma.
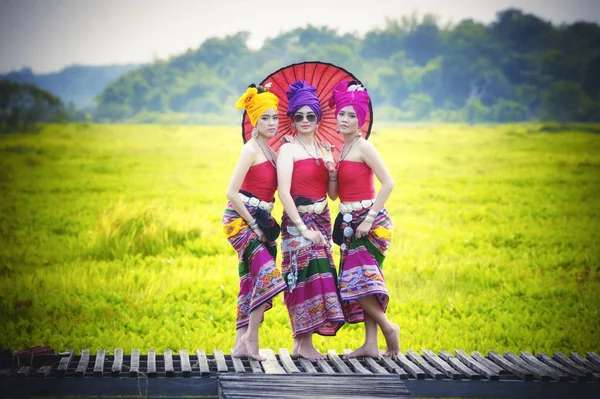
x: 111, y: 374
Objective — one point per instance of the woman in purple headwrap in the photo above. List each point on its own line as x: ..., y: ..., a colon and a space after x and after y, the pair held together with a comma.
x: 303, y: 185
x: 363, y: 226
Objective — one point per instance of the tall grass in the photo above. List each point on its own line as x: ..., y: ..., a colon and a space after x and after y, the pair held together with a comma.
x: 110, y: 236
x: 141, y: 229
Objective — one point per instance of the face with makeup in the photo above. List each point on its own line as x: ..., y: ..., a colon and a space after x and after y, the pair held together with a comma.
x: 268, y: 123
x: 305, y: 120
x: 347, y: 122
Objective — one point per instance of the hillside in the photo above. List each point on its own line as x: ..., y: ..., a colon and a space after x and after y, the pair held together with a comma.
x: 76, y: 84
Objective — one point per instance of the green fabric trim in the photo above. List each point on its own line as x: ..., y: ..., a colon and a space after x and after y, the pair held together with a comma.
x: 243, y: 266
x: 379, y: 257
x: 315, y: 266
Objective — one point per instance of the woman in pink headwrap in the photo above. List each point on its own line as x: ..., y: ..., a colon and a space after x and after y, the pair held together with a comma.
x: 363, y: 226
x: 308, y: 268
x: 248, y: 223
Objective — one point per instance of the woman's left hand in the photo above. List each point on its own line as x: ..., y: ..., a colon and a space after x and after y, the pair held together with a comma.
x: 327, y: 151
x: 363, y: 229
x: 328, y: 158
x: 288, y: 138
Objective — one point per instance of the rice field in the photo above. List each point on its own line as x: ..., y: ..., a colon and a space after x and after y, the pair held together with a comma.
x: 110, y: 237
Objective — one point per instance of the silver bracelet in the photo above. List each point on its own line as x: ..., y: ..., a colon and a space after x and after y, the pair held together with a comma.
x: 371, y: 213
x: 302, y: 227
x: 369, y: 219
x: 298, y: 221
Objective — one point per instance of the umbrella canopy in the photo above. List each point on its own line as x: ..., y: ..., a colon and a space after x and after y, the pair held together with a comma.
x: 324, y: 77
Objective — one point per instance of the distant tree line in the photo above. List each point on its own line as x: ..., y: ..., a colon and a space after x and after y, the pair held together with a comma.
x: 76, y: 85
x: 517, y: 68
x: 23, y: 107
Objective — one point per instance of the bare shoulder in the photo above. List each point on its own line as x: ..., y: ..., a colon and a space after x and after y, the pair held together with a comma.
x: 364, y: 143
x: 366, y: 146
x: 248, y: 154
x: 249, y: 148
x: 369, y: 153
x: 286, y: 149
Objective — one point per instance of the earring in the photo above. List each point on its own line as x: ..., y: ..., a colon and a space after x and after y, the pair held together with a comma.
x: 337, y: 131
x: 255, y: 133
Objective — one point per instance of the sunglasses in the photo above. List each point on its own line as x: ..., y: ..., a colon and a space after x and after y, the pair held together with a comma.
x: 309, y: 117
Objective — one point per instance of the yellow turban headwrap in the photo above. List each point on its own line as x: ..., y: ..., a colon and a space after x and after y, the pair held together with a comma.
x: 256, y: 103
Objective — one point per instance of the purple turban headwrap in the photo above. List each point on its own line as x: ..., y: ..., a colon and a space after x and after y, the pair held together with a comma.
x: 357, y: 96
x: 301, y: 94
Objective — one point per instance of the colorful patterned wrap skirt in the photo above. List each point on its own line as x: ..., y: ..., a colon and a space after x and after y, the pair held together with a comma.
x: 260, y: 279
x: 311, y: 296
x: 361, y: 263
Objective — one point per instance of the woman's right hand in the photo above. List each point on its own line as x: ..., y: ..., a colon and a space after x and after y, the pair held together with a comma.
x: 314, y: 236
x: 259, y: 233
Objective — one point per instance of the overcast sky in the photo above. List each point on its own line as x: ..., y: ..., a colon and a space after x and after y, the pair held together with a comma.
x: 47, y: 35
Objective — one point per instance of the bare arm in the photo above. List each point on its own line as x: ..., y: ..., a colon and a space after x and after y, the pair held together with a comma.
x: 246, y: 159
x: 285, y: 168
x: 332, y: 185
x: 371, y: 157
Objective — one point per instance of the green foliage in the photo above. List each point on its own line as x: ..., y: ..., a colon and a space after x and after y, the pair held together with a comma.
x: 111, y: 236
x: 508, y: 111
x: 424, y: 70
x: 24, y: 106
x: 476, y: 112
x: 566, y: 101
x: 419, y: 105
x: 77, y: 83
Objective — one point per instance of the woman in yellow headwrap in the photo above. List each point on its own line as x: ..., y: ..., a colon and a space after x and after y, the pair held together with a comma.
x: 248, y: 223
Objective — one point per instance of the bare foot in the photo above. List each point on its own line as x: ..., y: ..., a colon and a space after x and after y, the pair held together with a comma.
x: 244, y: 348
x: 310, y: 353
x: 367, y: 350
x: 252, y: 346
x: 392, y: 340
x: 295, y: 346
x: 239, y: 351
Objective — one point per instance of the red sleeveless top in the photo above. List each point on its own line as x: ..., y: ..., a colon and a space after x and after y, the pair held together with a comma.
x: 261, y: 181
x: 355, y: 181
x: 309, y: 179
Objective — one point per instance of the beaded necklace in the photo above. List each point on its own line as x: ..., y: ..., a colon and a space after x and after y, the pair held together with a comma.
x: 306, y: 149
x: 271, y: 158
x: 342, y: 155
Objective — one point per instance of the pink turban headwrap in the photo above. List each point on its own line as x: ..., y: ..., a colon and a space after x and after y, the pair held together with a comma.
x: 359, y: 99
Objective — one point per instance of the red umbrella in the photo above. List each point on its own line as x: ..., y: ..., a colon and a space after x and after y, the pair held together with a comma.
x: 324, y: 77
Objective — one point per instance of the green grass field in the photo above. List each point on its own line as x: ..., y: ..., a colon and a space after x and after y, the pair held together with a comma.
x: 110, y: 237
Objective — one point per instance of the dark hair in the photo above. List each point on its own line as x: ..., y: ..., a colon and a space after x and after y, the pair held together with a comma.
x: 259, y: 88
